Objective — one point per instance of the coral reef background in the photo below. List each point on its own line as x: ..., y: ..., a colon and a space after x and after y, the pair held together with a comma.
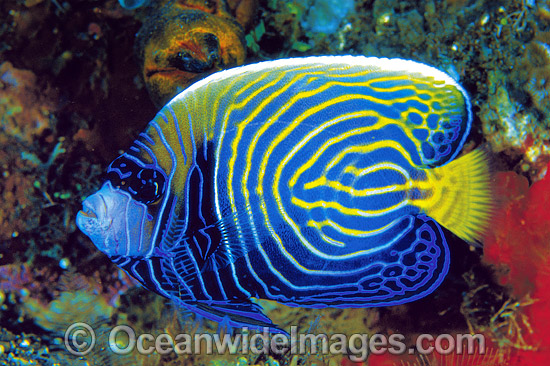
x: 72, y: 96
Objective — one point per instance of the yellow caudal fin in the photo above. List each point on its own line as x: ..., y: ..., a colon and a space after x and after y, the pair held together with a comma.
x: 462, y: 197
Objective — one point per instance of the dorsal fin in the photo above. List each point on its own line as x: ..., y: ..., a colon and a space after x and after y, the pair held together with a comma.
x: 429, y: 107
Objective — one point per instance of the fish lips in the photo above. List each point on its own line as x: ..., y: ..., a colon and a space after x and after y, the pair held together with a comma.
x: 93, y: 220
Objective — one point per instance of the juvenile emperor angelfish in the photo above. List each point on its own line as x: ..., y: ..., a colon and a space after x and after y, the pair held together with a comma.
x: 314, y: 182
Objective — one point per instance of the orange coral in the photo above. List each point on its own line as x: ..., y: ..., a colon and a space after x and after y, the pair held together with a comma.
x: 185, y: 39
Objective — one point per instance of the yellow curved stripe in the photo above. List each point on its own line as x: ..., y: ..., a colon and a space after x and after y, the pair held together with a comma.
x: 337, y: 186
x: 346, y: 210
x: 353, y: 149
x: 359, y: 172
x: 351, y: 232
x: 241, y: 125
x: 236, y: 140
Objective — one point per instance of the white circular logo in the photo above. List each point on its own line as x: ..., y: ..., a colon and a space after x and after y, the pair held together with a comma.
x: 79, y: 339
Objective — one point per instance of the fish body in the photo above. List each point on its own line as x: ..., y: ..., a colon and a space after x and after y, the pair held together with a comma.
x: 313, y: 182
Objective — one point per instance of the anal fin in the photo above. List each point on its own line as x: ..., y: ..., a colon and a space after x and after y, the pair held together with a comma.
x: 235, y: 314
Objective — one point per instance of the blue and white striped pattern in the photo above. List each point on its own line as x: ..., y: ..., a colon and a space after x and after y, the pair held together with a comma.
x: 303, y: 181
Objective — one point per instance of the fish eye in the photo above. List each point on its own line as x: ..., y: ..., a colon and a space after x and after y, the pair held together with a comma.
x: 145, y: 185
x: 148, y: 185
x: 120, y: 169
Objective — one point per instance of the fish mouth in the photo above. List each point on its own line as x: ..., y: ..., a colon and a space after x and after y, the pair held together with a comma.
x: 93, y: 213
x: 87, y: 211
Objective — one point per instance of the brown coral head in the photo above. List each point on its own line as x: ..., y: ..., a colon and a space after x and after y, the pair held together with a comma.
x: 183, y: 40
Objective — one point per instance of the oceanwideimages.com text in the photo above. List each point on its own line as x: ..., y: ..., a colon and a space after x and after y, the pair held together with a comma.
x: 80, y: 339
